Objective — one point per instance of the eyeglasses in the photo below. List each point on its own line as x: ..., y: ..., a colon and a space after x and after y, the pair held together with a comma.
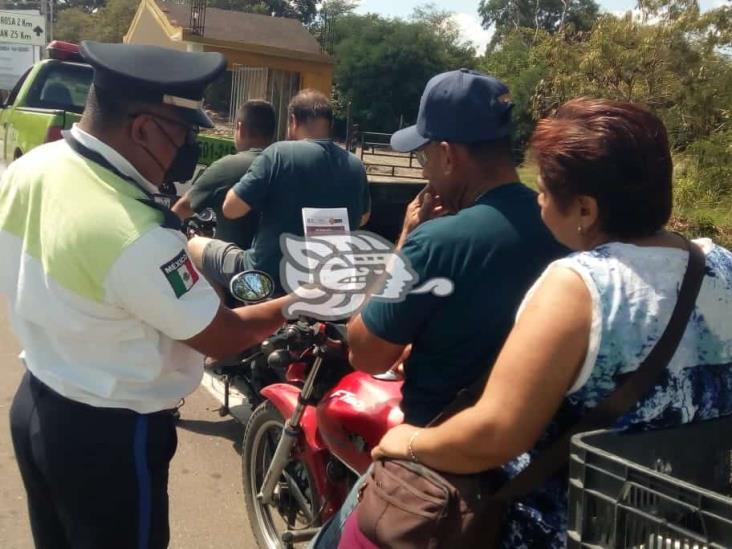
x: 421, y: 156
x: 185, y: 125
x: 191, y: 131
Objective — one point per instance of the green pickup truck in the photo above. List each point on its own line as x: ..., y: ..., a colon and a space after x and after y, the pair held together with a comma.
x: 50, y: 97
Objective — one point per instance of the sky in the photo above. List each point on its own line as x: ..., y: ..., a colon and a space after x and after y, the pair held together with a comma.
x: 466, y: 13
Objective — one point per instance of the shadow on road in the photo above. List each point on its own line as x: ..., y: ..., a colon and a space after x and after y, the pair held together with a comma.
x: 229, y: 429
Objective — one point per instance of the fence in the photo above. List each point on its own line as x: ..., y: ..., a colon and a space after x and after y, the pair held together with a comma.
x: 275, y: 86
x: 380, y: 159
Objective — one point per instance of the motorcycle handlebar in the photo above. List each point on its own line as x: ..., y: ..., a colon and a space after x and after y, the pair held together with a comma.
x: 281, y: 349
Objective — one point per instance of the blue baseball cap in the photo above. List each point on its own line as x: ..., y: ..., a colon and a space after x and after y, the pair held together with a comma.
x: 460, y: 106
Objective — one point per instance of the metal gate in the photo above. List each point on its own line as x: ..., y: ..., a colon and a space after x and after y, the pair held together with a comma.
x: 276, y: 86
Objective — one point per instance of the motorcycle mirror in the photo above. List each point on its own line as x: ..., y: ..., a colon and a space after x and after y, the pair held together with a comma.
x: 207, y: 214
x: 251, y: 286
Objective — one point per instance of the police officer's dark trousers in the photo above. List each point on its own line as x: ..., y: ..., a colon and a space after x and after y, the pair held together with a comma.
x: 96, y: 478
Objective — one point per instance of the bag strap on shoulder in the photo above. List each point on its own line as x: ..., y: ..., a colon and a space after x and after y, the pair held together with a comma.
x: 619, y: 402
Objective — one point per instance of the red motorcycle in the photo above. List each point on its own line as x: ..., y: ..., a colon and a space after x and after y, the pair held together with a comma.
x: 307, y: 444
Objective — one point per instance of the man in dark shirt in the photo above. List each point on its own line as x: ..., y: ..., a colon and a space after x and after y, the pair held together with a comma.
x: 253, y: 132
x: 474, y: 224
x: 307, y: 171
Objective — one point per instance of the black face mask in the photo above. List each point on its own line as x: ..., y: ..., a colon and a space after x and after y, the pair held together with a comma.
x: 184, y: 163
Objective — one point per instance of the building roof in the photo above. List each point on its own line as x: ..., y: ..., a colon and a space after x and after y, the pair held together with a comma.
x: 247, y: 28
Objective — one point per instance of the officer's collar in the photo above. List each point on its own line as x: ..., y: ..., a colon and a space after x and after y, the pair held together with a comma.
x: 170, y: 220
x: 120, y: 163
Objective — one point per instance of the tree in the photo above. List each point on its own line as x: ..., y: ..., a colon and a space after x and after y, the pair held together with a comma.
x: 73, y: 25
x: 540, y: 15
x: 521, y: 67
x: 322, y: 26
x: 108, y: 24
x: 337, y: 8
x: 675, y: 67
x: 113, y: 20
x: 384, y: 64
x: 304, y: 10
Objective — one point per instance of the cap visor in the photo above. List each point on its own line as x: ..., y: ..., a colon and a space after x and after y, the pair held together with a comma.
x: 196, y: 117
x: 408, y: 140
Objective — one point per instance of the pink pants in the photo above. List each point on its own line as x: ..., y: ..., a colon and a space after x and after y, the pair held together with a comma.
x: 352, y: 537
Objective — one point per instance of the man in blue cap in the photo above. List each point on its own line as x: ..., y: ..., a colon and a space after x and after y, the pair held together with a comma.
x: 474, y: 224
x: 111, y: 313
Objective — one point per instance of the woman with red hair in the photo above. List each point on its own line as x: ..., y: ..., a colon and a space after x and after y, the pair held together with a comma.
x: 605, y: 176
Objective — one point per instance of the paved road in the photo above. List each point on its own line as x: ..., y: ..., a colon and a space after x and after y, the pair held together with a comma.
x: 206, y: 500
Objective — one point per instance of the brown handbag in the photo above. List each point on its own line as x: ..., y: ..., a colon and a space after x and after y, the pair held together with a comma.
x: 407, y: 505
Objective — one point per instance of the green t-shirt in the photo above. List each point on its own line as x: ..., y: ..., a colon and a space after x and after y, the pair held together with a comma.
x: 209, y: 191
x: 291, y: 175
x: 492, y: 251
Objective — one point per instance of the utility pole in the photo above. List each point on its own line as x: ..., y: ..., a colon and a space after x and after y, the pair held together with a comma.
x: 49, y: 27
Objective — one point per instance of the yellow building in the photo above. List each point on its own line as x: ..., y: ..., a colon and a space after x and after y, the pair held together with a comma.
x: 269, y: 57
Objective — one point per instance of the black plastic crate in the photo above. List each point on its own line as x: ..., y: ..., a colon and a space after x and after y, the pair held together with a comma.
x: 664, y: 489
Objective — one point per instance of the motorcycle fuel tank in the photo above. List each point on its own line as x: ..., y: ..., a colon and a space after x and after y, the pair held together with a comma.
x: 354, y: 415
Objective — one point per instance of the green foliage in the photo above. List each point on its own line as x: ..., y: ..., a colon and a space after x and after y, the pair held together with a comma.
x: 384, y: 64
x: 337, y: 8
x: 114, y: 19
x: 108, y: 24
x: 73, y: 25
x: 304, y: 10
x: 674, y: 67
x: 539, y: 15
x: 704, y: 173
x: 522, y: 68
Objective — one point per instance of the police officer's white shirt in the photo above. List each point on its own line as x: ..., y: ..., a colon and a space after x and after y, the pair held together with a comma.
x: 112, y: 156
x: 125, y: 350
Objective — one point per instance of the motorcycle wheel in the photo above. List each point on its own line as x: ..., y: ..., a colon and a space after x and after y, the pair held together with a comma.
x: 296, y: 500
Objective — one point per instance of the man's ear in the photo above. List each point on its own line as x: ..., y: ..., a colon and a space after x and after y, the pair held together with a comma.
x: 241, y: 130
x: 140, y: 130
x: 447, y: 158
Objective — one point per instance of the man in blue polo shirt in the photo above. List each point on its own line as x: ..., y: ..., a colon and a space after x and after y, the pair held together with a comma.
x: 307, y: 171
x: 474, y: 224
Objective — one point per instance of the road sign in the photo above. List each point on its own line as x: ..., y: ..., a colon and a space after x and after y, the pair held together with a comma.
x: 14, y: 60
x: 22, y: 29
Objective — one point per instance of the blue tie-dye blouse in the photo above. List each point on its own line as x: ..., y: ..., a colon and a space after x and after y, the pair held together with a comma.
x: 634, y: 291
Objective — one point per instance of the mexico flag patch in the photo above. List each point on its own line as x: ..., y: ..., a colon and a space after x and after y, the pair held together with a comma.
x: 180, y: 273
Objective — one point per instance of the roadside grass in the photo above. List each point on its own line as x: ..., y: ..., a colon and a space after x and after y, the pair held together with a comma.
x: 710, y: 217
x: 712, y: 221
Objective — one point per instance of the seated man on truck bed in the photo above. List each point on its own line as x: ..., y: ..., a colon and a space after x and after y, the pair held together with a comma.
x: 254, y: 131
x: 307, y: 171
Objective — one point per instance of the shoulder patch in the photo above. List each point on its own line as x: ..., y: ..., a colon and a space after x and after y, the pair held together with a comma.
x: 180, y: 273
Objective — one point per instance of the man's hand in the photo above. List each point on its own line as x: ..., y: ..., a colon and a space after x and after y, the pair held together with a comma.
x: 183, y: 208
x: 425, y: 206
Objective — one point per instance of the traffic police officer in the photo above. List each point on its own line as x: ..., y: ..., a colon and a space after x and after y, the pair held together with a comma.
x: 109, y: 310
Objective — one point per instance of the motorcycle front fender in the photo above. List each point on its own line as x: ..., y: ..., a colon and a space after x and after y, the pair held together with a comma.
x: 284, y: 397
x: 311, y: 448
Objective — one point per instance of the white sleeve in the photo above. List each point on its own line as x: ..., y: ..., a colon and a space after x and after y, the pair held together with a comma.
x: 155, y: 281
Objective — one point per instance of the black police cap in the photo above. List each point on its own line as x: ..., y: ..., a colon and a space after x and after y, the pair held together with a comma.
x: 155, y: 75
